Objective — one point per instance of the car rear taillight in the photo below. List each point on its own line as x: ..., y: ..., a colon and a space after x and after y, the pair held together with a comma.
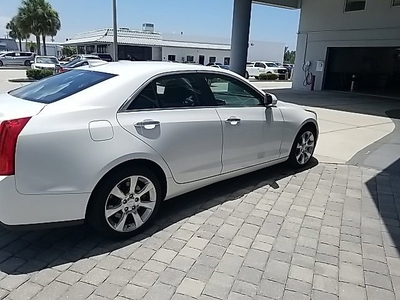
x: 9, y: 132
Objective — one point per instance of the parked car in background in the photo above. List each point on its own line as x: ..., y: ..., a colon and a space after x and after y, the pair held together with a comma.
x: 220, y: 66
x: 80, y: 63
x: 290, y: 68
x: 104, y: 56
x: 262, y: 67
x: 45, y: 62
x: 108, y: 145
x: 15, y: 58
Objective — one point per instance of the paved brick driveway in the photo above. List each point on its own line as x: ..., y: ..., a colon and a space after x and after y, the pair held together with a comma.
x: 327, y: 232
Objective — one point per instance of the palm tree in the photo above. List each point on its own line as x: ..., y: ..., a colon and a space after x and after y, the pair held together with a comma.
x: 16, y: 31
x: 39, y: 18
x: 51, y: 27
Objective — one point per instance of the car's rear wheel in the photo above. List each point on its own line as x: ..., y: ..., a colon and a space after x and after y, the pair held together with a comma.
x: 125, y: 203
x: 27, y: 63
x: 257, y: 77
x: 246, y: 75
x: 1, y: 63
x: 303, y: 147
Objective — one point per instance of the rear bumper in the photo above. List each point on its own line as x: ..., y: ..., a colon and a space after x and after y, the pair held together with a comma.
x: 18, y: 210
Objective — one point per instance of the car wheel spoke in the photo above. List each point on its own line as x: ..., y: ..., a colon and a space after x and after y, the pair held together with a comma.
x: 138, y: 220
x: 148, y: 205
x: 112, y: 211
x: 145, y: 190
x: 121, y: 224
x: 133, y: 180
x: 117, y: 193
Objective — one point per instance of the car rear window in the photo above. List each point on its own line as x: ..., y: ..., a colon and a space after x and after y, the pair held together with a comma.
x: 60, y: 86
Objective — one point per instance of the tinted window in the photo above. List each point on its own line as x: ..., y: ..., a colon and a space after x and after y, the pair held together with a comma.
x: 229, y: 91
x: 145, y: 100
x: 60, y: 86
x: 168, y: 92
x: 177, y: 91
x: 271, y: 65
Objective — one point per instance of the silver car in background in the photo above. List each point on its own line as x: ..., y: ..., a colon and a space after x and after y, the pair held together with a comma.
x: 15, y: 58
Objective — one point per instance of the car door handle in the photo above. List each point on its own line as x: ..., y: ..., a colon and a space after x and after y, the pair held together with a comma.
x: 148, y: 124
x: 233, y: 120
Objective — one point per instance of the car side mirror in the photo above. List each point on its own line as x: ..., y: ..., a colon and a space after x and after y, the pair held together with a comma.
x: 270, y: 100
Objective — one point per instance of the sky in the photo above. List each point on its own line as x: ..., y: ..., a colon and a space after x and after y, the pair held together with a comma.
x: 192, y: 17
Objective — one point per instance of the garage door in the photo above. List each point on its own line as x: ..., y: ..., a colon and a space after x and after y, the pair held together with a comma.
x: 377, y: 70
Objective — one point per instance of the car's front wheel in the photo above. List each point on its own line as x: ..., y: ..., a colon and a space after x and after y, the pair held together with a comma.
x: 303, y: 147
x: 1, y: 63
x: 246, y: 75
x: 125, y: 203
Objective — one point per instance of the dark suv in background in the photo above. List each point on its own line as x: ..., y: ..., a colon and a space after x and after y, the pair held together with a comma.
x: 104, y: 56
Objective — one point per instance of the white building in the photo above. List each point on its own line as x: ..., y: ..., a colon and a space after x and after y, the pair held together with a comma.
x: 339, y: 40
x: 342, y: 38
x: 146, y: 44
x: 52, y: 48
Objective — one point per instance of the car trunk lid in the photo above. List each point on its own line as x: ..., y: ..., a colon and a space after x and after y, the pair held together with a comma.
x: 14, y: 108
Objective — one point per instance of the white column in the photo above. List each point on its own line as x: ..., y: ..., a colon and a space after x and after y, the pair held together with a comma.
x: 240, y: 35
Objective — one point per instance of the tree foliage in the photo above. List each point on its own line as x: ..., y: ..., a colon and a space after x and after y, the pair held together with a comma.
x: 37, y: 17
x: 15, y: 31
x: 289, y: 56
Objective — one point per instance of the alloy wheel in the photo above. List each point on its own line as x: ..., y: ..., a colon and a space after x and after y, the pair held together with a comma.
x: 305, y: 147
x: 130, y: 203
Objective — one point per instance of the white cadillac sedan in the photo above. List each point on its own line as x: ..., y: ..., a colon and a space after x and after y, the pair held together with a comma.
x: 108, y: 144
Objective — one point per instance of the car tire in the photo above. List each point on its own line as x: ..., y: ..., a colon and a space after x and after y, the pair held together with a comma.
x: 256, y: 77
x: 27, y: 63
x: 114, y: 202
x: 246, y: 75
x: 303, y: 147
x: 1, y: 63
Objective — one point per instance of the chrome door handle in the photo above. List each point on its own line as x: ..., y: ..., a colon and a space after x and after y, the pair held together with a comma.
x: 233, y: 120
x: 148, y: 124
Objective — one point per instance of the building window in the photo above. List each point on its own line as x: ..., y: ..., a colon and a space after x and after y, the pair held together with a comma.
x: 212, y: 59
x: 355, y: 5
x: 396, y: 2
x: 171, y: 58
x: 81, y: 49
x: 90, y: 49
x: 227, y: 61
x: 102, y: 49
x: 190, y: 58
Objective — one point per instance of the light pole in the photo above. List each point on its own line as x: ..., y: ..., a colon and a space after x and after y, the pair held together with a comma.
x: 115, y: 31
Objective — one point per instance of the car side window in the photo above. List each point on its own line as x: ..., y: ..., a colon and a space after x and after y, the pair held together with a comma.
x: 145, y: 100
x: 169, y: 92
x: 231, y: 92
x: 177, y: 91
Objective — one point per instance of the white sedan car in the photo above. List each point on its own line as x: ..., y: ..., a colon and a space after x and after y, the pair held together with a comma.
x: 45, y: 62
x: 110, y: 143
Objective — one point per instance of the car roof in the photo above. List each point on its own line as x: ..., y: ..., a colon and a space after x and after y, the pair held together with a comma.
x: 148, y: 67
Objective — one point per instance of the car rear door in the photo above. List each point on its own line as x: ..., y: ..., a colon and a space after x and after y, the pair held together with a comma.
x: 252, y: 133
x: 170, y: 115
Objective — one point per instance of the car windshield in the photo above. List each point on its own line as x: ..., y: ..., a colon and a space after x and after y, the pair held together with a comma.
x: 60, y: 86
x: 46, y: 60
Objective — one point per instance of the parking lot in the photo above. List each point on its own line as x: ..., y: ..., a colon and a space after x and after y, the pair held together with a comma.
x: 327, y: 232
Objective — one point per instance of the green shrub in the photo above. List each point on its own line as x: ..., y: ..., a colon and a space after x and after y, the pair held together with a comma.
x: 38, y: 74
x: 268, y: 76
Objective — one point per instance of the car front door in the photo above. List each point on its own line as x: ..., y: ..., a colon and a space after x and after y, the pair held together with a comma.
x: 170, y: 115
x: 252, y: 133
x: 9, y: 59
